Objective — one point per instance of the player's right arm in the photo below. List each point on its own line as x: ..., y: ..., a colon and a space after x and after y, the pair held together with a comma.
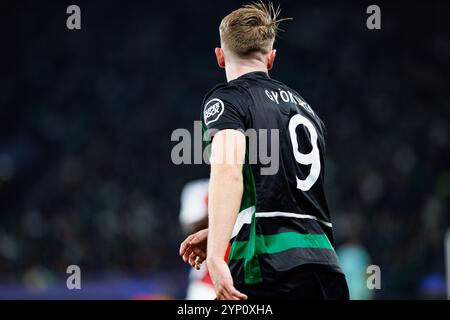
x: 225, y: 194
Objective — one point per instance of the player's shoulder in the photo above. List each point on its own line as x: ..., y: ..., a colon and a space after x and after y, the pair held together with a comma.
x: 225, y: 106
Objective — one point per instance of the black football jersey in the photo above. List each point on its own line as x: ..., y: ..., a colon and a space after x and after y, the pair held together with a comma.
x: 284, y: 221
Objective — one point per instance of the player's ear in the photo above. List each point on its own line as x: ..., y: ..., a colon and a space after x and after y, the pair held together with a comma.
x: 220, y: 58
x: 271, y: 59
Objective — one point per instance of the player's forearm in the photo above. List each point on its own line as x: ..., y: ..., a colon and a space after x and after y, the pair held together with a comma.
x: 225, y: 193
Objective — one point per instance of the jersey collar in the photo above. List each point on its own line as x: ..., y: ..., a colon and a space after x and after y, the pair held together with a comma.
x: 255, y: 74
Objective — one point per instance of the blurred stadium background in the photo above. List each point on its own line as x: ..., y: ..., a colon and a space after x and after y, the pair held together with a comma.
x: 86, y: 118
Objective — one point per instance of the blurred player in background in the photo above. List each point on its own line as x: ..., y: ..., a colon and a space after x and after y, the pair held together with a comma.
x: 355, y: 259
x: 274, y: 230
x: 193, y: 218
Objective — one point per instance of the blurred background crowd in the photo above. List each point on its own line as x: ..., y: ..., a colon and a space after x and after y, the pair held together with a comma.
x: 86, y: 118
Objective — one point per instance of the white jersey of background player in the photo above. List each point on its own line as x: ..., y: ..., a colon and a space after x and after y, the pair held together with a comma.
x: 194, y: 217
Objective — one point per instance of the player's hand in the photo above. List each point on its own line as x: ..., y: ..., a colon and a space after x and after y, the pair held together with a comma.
x: 193, y: 248
x: 223, y: 281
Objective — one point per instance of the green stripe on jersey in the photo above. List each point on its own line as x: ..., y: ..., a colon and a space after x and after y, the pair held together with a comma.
x: 276, y: 243
x: 252, y: 270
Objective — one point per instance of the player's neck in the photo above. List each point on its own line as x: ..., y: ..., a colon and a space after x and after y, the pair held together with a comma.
x: 235, y: 70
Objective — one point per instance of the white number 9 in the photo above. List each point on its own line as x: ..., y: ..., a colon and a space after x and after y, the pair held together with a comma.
x: 312, y: 158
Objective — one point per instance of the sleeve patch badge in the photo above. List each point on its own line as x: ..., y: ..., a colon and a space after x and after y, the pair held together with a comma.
x: 213, y: 110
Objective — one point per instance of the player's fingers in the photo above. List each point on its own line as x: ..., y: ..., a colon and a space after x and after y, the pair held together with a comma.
x: 222, y: 294
x: 229, y: 296
x: 187, y: 251
x: 192, y: 258
x: 186, y: 255
x: 185, y: 244
x: 232, y: 293
x: 237, y: 294
x: 198, y: 262
x: 200, y: 253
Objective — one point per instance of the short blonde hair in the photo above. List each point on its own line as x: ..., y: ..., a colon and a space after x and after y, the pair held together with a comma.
x: 252, y: 28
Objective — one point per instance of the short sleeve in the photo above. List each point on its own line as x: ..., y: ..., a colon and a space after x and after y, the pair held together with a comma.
x: 224, y: 108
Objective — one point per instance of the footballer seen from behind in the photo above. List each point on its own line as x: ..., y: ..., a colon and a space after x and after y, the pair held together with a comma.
x: 274, y: 230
